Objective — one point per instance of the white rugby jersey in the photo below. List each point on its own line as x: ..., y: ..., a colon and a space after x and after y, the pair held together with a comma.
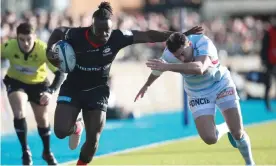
x: 199, y: 84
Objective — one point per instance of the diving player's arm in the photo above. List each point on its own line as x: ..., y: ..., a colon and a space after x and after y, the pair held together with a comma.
x: 202, y: 61
x: 152, y: 36
x: 198, y: 67
x: 152, y: 77
x: 156, y: 73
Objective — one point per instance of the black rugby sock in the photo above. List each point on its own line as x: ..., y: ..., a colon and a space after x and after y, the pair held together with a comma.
x: 44, y: 134
x: 20, y: 127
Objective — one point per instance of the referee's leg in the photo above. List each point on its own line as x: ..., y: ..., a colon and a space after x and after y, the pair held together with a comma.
x: 18, y: 101
x: 44, y: 131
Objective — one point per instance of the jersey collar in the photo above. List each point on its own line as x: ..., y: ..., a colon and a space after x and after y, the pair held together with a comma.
x: 91, y: 42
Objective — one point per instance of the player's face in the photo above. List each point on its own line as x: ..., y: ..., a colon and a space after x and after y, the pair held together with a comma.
x: 102, y: 29
x: 26, y: 42
x: 184, y: 53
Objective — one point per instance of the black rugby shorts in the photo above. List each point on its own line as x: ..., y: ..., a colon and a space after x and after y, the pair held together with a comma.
x: 95, y: 98
x: 32, y: 90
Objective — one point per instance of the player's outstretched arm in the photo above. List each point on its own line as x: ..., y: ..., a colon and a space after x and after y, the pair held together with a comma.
x: 152, y: 36
x: 199, y: 66
x: 152, y: 77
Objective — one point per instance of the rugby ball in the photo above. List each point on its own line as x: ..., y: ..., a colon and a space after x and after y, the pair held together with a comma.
x: 66, y: 55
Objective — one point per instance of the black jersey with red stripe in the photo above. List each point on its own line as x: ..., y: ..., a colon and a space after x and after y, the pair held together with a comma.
x: 93, y: 61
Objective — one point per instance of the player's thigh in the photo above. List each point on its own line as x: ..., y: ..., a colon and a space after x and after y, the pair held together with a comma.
x: 232, y: 114
x: 206, y: 128
x: 203, y: 111
x: 228, y: 103
x: 17, y: 96
x: 65, y: 118
x: 67, y: 111
x: 41, y: 114
x: 18, y: 101
x: 94, y: 110
x: 40, y: 111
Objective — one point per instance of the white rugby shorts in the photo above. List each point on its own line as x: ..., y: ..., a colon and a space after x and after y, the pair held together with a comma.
x: 224, y: 97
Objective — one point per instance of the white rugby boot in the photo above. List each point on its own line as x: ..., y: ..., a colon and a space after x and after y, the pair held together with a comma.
x: 74, y: 139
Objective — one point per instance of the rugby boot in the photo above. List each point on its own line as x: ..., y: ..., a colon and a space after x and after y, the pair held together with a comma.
x: 74, y: 138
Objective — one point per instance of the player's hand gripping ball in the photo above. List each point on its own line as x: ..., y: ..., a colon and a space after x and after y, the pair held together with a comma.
x: 63, y: 56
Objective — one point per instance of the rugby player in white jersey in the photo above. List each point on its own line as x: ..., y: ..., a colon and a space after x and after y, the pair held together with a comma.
x: 208, y: 84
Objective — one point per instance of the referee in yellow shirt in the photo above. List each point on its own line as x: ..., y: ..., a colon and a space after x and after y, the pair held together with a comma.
x: 26, y: 80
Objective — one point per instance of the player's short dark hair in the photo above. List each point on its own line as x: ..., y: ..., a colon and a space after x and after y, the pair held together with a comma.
x: 25, y: 28
x: 104, y: 12
x: 175, y: 41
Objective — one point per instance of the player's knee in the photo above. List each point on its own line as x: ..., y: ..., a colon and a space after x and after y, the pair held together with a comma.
x: 210, y: 140
x: 18, y: 114
x: 43, y: 122
x: 61, y: 133
x: 237, y: 134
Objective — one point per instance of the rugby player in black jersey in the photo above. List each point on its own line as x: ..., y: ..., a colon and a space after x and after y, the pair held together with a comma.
x: 86, y: 87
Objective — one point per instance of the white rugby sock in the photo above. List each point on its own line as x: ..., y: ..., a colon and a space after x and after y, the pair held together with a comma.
x: 221, y: 130
x: 244, y: 147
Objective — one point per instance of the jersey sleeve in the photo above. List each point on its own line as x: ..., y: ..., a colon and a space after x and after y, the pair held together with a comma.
x: 164, y: 58
x: 167, y: 57
x: 124, y: 38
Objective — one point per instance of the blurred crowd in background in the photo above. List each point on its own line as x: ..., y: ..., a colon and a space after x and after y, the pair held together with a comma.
x: 232, y: 36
